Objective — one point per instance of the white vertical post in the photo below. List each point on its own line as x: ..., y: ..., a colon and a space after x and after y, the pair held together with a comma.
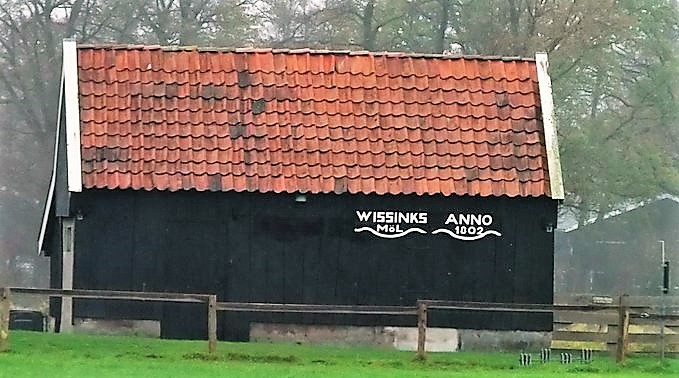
x: 72, y: 115
x: 549, y: 123
x: 67, y: 244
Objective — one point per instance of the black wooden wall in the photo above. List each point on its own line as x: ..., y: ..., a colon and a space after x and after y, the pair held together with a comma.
x: 269, y: 248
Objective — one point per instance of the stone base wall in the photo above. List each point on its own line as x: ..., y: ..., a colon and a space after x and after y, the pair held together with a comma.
x: 145, y: 328
x: 480, y: 340
x: 401, y: 338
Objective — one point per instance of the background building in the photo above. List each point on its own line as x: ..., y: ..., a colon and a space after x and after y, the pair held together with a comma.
x: 621, y: 252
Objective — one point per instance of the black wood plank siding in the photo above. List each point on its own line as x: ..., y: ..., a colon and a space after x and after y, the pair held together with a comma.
x: 268, y: 248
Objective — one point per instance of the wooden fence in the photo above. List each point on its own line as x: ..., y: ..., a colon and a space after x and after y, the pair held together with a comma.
x: 624, y: 311
x: 622, y: 308
x: 208, y: 299
x: 647, y: 332
x: 212, y: 306
x: 4, y: 319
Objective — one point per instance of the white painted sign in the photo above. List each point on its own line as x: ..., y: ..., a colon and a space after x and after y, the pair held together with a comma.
x: 396, y: 224
x: 391, y: 224
x: 468, y: 226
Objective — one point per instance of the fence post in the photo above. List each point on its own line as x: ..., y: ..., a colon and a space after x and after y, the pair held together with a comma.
x: 212, y: 324
x: 623, y: 329
x: 4, y: 319
x: 421, y: 330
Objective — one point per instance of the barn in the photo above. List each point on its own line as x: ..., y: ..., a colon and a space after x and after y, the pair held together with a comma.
x: 302, y: 176
x: 621, y: 251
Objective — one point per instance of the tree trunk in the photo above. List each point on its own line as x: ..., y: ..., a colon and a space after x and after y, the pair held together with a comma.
x: 4, y: 270
x: 185, y: 22
x: 444, y: 20
x: 514, y: 17
x: 369, y: 33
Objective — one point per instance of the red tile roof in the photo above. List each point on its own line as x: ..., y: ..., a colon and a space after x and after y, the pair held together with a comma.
x: 309, y: 121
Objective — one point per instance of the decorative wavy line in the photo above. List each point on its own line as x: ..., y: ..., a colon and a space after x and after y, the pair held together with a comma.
x: 387, y: 236
x: 467, y: 238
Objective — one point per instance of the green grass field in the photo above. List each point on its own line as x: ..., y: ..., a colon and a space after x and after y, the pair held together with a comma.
x: 50, y: 355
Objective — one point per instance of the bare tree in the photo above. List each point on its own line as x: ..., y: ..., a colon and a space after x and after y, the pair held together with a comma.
x: 195, y: 22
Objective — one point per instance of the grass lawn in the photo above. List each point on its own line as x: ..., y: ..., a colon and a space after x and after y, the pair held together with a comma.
x: 49, y: 355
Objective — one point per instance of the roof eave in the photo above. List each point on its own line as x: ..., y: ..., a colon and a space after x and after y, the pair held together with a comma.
x: 549, y: 124
x: 69, y: 110
x: 50, y: 192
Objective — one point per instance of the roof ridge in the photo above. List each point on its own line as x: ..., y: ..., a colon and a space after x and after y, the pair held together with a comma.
x: 625, y: 208
x: 242, y: 50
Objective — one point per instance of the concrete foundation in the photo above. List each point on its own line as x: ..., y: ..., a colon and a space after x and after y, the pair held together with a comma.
x: 438, y: 339
x: 480, y: 340
x: 401, y: 338
x: 144, y: 328
x: 330, y: 335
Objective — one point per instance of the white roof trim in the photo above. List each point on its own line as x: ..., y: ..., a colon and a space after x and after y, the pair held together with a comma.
x: 72, y: 106
x: 53, y: 179
x: 549, y: 124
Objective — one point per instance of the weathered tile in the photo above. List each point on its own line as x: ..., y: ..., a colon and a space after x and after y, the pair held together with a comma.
x: 321, y: 122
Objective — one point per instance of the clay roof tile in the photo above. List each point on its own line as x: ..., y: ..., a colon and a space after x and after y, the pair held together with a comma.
x: 310, y: 121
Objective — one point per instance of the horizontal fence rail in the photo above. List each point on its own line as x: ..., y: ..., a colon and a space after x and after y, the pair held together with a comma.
x: 316, y: 309
x: 515, y: 307
x: 111, y: 294
x: 644, y: 315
